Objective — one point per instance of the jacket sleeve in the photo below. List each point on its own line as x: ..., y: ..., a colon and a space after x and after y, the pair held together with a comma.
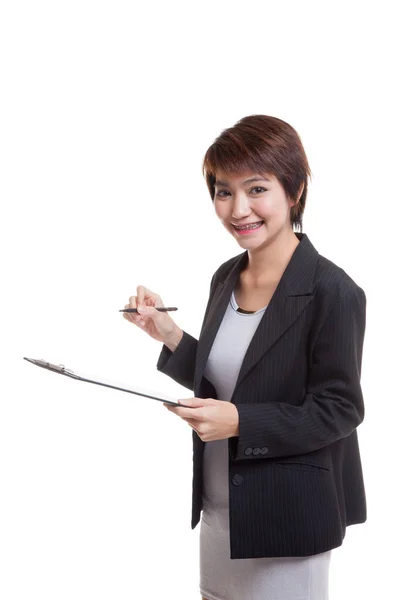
x: 180, y: 364
x: 332, y: 406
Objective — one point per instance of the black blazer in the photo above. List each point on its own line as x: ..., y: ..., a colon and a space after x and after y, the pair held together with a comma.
x: 295, y: 473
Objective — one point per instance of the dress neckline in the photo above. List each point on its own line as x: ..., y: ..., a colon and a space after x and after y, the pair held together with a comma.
x: 241, y: 311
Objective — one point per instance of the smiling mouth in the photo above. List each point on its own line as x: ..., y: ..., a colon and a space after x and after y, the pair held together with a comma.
x: 248, y: 227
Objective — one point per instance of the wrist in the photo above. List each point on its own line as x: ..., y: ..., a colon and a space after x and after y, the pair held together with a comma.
x: 173, y: 339
x: 236, y: 423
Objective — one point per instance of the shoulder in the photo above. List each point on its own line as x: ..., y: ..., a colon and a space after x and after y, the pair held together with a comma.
x: 332, y: 284
x: 224, y: 269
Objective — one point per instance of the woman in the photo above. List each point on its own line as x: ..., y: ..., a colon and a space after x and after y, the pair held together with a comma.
x: 276, y: 377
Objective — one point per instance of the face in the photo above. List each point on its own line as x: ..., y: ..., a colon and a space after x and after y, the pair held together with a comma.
x: 252, y: 198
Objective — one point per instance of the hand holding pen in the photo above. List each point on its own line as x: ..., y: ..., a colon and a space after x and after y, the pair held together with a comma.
x: 152, y: 317
x: 159, y: 308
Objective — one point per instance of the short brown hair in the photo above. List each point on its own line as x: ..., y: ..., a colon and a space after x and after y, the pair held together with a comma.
x: 266, y: 145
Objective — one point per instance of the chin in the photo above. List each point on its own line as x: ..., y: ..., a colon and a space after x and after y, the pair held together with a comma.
x: 252, y: 244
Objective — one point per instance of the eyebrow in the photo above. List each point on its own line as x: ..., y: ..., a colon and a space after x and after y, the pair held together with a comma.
x: 219, y: 182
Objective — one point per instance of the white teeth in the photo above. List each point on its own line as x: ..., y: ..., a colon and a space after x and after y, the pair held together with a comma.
x: 253, y: 226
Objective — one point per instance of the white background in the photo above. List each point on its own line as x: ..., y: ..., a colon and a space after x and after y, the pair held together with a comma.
x: 107, y: 109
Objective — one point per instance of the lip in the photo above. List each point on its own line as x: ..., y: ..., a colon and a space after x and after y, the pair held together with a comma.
x: 245, y: 224
x: 245, y: 232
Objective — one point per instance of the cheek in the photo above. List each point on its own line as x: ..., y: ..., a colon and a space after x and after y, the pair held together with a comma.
x: 220, y: 210
x: 270, y: 210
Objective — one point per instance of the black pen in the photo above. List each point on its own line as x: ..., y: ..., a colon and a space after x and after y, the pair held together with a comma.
x: 160, y: 308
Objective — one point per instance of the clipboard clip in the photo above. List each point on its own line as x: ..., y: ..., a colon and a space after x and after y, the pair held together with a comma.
x: 46, y: 365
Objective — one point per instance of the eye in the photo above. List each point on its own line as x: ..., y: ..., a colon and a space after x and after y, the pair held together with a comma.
x: 259, y: 190
x: 221, y: 193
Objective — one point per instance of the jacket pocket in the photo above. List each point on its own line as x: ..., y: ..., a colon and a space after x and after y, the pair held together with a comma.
x: 309, y: 467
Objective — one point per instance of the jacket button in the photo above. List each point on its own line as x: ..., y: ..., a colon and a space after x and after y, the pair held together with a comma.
x: 237, y: 479
x: 264, y: 450
x: 256, y: 451
x: 248, y: 451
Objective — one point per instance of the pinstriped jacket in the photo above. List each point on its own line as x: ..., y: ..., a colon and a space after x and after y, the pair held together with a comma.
x: 295, y: 474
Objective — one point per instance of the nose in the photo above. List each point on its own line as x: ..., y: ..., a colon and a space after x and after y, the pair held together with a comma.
x: 241, y: 206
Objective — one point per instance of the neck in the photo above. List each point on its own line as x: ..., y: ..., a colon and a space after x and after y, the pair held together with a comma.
x: 270, y: 261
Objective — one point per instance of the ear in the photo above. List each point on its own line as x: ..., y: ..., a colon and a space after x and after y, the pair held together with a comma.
x: 294, y: 202
x: 300, y: 192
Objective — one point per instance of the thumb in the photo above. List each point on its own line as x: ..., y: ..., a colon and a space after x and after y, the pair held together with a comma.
x: 148, y: 311
x: 195, y: 402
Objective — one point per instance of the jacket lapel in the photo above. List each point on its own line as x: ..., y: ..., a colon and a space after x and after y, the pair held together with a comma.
x: 292, y: 295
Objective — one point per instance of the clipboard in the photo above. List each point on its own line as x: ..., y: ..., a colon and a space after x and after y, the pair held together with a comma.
x: 62, y: 370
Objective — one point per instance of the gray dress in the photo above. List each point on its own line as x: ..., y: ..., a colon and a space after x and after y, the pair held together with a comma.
x: 223, y: 578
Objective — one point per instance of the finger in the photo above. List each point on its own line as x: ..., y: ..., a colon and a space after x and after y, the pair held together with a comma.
x: 140, y: 294
x: 148, y: 297
x: 132, y: 302
x: 133, y: 317
x: 189, y: 413
x: 174, y: 409
x: 192, y: 422
x: 127, y: 315
x: 198, y: 402
x: 193, y: 426
x: 144, y: 293
x: 149, y: 311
